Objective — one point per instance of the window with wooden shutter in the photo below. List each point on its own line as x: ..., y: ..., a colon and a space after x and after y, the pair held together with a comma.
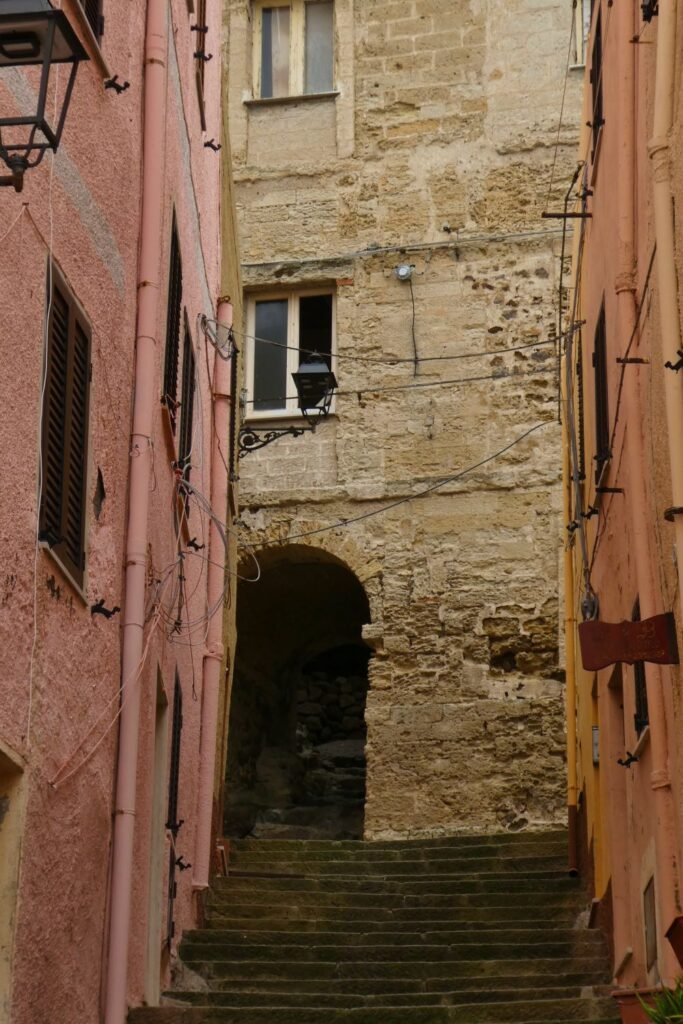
x: 602, y: 428
x: 186, y: 406
x: 597, y: 119
x: 173, y: 824
x: 64, y: 441
x: 173, y: 317
x: 93, y: 12
x: 201, y: 58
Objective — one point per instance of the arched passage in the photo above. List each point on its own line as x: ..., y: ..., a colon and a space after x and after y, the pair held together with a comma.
x: 296, y: 741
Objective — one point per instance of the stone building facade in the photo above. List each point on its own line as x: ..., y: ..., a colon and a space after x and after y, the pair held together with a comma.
x: 429, y: 146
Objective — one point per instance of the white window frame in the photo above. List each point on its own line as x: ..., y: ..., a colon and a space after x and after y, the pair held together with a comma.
x: 582, y: 28
x: 291, y: 410
x: 297, y: 48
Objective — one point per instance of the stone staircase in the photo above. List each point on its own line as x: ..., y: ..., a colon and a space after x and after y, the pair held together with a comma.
x: 473, y: 930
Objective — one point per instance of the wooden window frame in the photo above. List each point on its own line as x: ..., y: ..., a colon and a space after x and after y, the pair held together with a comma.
x: 583, y: 13
x: 601, y: 380
x: 200, y: 63
x: 62, y: 482
x: 174, y: 307
x: 297, y: 49
x: 291, y: 410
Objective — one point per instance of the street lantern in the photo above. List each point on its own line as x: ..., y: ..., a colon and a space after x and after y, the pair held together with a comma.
x: 34, y: 34
x: 315, y: 384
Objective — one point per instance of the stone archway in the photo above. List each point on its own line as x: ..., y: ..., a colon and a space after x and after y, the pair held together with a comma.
x: 296, y: 741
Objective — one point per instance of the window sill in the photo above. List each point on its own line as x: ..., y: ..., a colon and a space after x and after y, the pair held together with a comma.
x: 91, y: 40
x: 278, y: 101
x: 78, y: 588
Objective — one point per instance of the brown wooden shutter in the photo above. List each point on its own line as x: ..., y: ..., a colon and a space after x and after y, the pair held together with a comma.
x: 175, y: 300
x: 187, y: 406
x: 65, y: 431
x: 602, y: 427
x: 200, y: 63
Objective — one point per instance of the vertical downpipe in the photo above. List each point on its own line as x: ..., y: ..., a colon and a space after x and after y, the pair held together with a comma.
x: 151, y: 233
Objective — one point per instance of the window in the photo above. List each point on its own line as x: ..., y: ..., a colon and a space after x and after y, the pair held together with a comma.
x: 65, y: 429
x: 186, y: 406
x: 641, y: 718
x: 582, y: 27
x: 93, y: 13
x: 597, y: 119
x: 169, y: 395
x: 293, y: 48
x: 284, y: 329
x: 602, y: 430
x: 201, y: 58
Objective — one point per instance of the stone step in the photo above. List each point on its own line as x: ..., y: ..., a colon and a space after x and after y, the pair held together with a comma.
x: 474, y: 989
x: 271, y: 850
x: 276, y: 970
x: 463, y: 937
x: 558, y: 1012
x: 493, y: 865
x: 257, y: 918
x: 246, y: 887
x: 314, y: 904
x: 498, y: 1002
x: 335, y: 846
x: 313, y: 952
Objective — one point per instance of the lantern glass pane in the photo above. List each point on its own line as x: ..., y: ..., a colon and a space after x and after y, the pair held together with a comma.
x: 26, y: 40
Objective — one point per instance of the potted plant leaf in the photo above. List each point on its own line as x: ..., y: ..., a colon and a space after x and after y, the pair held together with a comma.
x: 666, y: 1006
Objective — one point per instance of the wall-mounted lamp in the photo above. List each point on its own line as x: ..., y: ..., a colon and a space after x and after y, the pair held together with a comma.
x: 315, y: 385
x: 33, y: 33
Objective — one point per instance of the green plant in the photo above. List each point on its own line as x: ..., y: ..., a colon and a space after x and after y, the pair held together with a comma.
x: 667, y: 1006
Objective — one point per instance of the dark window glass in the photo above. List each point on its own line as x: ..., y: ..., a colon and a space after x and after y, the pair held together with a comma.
x: 187, y: 407
x: 596, y: 84
x: 642, y: 716
x: 93, y: 12
x: 580, y: 411
x: 315, y: 326
x: 173, y: 318
x: 602, y: 428
x: 200, y: 62
x: 319, y: 46
x: 65, y: 430
x: 274, y: 52
x: 270, y: 355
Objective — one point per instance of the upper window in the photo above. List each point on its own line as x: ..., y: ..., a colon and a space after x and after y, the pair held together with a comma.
x: 582, y: 25
x: 65, y: 430
x: 597, y: 119
x: 283, y: 330
x: 602, y: 427
x: 201, y: 58
x: 293, y: 47
x: 169, y: 395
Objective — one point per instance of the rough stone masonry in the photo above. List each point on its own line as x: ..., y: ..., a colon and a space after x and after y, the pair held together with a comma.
x: 435, y: 150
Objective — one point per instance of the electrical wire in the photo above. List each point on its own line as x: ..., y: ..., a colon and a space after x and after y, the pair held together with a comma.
x: 370, y: 390
x: 390, y: 361
x: 572, y: 35
x: 343, y: 523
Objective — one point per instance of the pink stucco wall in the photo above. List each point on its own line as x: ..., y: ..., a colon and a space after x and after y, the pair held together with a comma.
x: 85, y: 209
x: 633, y: 823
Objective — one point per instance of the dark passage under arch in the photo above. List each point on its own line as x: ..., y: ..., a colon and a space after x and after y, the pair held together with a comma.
x: 296, y: 742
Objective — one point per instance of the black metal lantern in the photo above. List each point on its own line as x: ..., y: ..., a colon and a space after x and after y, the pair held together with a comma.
x: 33, y: 33
x: 315, y: 384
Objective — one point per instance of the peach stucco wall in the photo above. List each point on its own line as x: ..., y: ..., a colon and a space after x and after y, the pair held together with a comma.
x: 625, y: 818
x: 84, y: 207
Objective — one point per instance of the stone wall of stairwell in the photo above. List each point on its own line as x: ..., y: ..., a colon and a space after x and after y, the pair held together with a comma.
x: 445, y: 132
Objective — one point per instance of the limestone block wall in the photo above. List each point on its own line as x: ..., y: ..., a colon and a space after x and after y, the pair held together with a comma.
x: 436, y: 152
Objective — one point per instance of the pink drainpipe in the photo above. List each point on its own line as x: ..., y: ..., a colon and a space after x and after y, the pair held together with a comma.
x: 213, y: 656
x: 151, y: 233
